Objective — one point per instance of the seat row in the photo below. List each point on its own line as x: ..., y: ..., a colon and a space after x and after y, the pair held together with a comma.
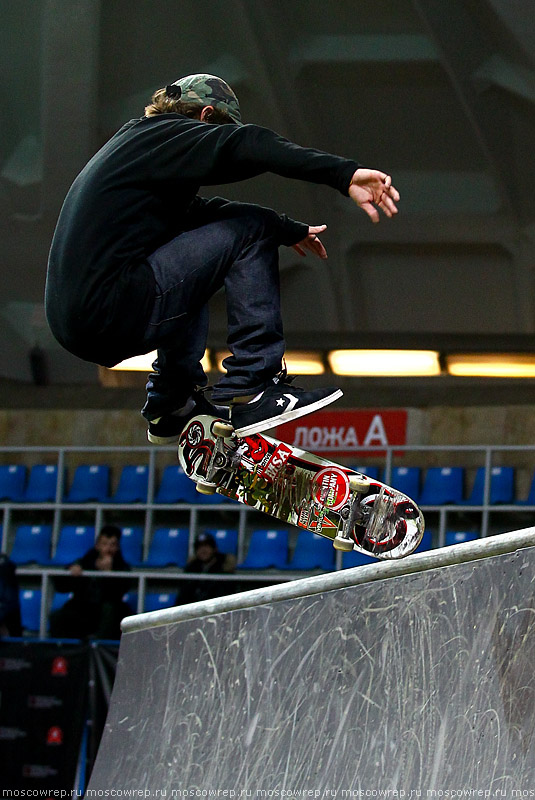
x: 91, y: 483
x: 30, y: 604
x: 267, y: 549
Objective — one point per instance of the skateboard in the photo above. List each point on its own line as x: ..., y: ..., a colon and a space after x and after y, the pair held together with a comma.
x: 354, y: 511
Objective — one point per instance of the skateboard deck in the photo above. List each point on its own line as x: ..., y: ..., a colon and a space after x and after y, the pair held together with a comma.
x: 354, y: 511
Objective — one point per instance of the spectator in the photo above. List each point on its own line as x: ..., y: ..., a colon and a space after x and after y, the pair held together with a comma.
x: 10, y: 624
x: 96, y: 607
x: 207, y: 559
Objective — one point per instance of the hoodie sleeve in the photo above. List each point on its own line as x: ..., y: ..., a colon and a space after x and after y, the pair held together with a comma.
x: 203, y: 211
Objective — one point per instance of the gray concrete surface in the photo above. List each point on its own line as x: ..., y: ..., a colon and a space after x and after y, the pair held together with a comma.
x: 381, y: 681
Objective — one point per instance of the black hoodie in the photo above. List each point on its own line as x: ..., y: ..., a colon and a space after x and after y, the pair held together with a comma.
x: 136, y: 194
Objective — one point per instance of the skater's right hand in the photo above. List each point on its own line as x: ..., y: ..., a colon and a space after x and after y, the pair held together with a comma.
x: 312, y: 242
x: 370, y: 188
x: 75, y: 569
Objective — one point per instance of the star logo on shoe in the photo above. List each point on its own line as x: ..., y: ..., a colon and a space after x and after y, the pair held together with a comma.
x: 280, y: 401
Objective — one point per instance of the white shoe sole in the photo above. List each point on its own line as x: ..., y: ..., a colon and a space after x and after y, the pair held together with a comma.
x: 162, y: 439
x: 287, y: 416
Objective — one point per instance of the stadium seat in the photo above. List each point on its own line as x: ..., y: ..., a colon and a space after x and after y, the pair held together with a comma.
x: 169, y: 547
x: 74, y: 542
x: 369, y: 470
x: 59, y: 599
x: 42, y: 484
x: 12, y: 480
x: 133, y: 485
x: 132, y: 544
x: 90, y: 484
x: 32, y: 544
x: 356, y: 559
x: 426, y: 543
x: 407, y: 480
x: 502, y: 481
x: 456, y: 537
x: 154, y: 601
x: 312, y: 552
x: 267, y: 548
x: 226, y: 540
x: 131, y: 598
x: 30, y: 609
x: 176, y: 487
x: 442, y: 485
x: 530, y: 499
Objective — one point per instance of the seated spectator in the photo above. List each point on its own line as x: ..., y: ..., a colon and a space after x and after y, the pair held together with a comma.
x: 207, y: 559
x: 96, y: 608
x: 10, y: 624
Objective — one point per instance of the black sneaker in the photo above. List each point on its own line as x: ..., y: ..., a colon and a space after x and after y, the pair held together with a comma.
x: 279, y: 403
x: 167, y: 429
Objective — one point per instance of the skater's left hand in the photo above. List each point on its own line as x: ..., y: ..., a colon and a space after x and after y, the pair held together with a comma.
x: 312, y: 242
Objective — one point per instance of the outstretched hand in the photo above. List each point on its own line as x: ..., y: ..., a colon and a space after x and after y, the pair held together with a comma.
x: 370, y: 188
x: 311, y: 242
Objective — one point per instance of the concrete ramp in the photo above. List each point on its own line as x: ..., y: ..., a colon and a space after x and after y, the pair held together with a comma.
x: 395, y: 677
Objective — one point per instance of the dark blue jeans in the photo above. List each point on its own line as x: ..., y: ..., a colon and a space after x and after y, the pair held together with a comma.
x: 241, y: 254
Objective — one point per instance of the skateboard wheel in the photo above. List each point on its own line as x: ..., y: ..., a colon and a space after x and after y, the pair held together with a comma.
x: 223, y: 429
x: 341, y: 543
x: 203, y: 487
x: 358, y: 484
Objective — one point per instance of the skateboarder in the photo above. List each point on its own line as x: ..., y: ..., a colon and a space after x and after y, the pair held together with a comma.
x: 137, y: 255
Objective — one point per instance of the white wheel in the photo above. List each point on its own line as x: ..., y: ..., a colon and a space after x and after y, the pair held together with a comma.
x: 203, y: 487
x: 341, y: 543
x: 223, y: 429
x: 358, y: 484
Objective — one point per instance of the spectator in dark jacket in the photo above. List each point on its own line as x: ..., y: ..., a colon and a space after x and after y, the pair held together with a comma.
x: 96, y: 607
x: 207, y: 559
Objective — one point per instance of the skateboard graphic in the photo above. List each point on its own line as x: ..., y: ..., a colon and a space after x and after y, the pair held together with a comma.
x: 354, y: 511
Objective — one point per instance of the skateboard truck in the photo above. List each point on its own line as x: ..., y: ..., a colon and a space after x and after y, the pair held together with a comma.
x: 351, y: 514
x: 221, y: 430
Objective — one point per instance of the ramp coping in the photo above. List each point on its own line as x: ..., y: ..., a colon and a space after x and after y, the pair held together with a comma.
x: 496, y: 545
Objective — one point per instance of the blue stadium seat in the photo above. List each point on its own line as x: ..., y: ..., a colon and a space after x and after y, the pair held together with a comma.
x: 426, y: 543
x: 32, y: 544
x: 30, y: 608
x: 226, y: 540
x: 407, y: 480
x: 42, y: 484
x: 356, y: 559
x: 176, y: 487
x: 131, y: 598
x: 530, y: 499
x: 169, y: 547
x: 369, y: 470
x: 267, y: 548
x: 442, y: 485
x: 12, y: 480
x: 133, y: 485
x: 59, y: 599
x: 312, y: 552
x: 154, y: 601
x: 74, y: 542
x: 90, y: 484
x: 502, y: 480
x: 132, y: 544
x: 456, y: 537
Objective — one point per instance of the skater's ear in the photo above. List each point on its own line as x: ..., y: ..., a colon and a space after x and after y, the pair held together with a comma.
x: 207, y: 113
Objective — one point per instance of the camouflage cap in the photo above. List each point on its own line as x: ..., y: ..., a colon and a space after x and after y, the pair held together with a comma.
x: 207, y: 90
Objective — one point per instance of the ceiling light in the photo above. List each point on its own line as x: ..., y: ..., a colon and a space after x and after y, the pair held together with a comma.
x: 492, y: 365
x: 144, y: 363
x: 298, y: 362
x: 384, y: 362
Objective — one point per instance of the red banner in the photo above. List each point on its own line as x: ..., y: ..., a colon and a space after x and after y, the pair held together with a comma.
x: 346, y: 432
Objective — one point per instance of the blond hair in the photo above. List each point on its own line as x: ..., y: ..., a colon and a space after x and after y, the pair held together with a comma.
x: 162, y: 103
